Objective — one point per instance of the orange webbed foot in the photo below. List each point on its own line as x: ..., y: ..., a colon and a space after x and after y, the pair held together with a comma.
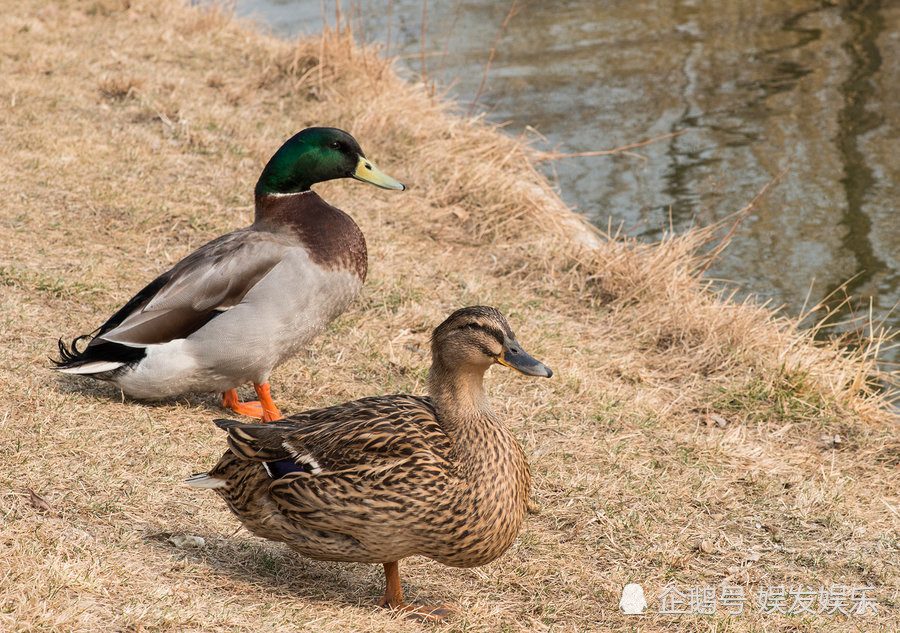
x: 231, y: 401
x: 270, y: 412
x: 264, y: 408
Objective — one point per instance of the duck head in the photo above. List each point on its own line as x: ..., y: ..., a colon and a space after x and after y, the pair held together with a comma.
x: 474, y: 338
x: 315, y: 155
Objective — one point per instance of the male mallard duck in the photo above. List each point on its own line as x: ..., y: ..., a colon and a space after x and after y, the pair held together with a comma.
x: 239, y: 306
x: 382, y: 478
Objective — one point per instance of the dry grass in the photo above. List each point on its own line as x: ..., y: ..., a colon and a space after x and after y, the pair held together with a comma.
x: 134, y: 132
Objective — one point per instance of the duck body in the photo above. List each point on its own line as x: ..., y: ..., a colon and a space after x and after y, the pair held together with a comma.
x: 242, y: 304
x: 382, y: 478
x: 237, y: 307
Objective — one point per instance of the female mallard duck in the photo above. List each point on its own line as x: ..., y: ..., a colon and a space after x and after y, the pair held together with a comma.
x: 382, y: 478
x: 239, y: 306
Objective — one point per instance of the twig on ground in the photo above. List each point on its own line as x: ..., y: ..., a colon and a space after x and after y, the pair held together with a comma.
x: 741, y: 216
x: 487, y: 67
x: 607, y: 152
x: 424, y: 28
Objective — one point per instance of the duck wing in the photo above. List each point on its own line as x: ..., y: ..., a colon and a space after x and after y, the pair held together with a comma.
x: 201, y: 286
x: 383, y: 452
x: 360, y: 435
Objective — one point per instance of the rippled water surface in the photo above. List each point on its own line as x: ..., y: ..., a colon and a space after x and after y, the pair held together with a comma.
x: 760, y: 86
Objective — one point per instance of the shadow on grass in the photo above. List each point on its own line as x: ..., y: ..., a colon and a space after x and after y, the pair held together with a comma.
x: 276, y: 570
x: 108, y: 392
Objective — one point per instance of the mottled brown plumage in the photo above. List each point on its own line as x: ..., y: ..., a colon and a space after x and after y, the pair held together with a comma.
x: 387, y: 477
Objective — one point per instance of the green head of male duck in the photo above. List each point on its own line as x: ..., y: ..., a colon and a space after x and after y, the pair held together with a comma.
x: 315, y: 155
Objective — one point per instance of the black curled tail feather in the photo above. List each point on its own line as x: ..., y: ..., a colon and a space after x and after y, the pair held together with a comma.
x: 103, y: 350
x: 69, y: 354
x: 96, y: 350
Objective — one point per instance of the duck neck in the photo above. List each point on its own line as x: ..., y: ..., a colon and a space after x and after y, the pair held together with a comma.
x: 466, y: 417
x: 287, y: 208
x: 459, y: 399
x: 487, y: 456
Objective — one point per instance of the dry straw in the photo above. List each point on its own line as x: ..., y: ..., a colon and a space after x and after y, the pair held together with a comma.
x: 685, y: 437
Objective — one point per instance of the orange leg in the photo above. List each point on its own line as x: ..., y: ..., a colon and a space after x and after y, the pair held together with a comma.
x: 231, y: 401
x: 263, y: 408
x: 270, y: 412
x: 393, y: 599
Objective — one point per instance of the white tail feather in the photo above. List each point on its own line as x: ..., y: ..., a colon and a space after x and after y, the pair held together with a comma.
x: 92, y: 368
x: 203, y: 480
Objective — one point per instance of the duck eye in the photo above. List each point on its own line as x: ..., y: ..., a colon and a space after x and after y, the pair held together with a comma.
x: 334, y: 145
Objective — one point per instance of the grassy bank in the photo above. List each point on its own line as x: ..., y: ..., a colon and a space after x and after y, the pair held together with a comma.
x: 684, y: 438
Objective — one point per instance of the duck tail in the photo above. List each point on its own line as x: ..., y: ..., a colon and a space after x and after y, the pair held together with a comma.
x: 70, y: 354
x: 256, y: 442
x: 97, y: 357
x: 203, y: 480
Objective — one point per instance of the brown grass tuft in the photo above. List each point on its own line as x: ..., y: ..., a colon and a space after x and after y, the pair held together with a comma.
x: 118, y: 87
x: 685, y: 437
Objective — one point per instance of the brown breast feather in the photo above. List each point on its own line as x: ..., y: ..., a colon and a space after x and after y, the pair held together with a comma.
x: 331, y: 237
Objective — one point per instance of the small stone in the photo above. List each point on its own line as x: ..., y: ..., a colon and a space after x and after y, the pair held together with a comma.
x: 719, y: 420
x: 187, y: 541
x: 707, y: 546
x: 775, y: 531
x: 37, y: 503
x: 633, y: 601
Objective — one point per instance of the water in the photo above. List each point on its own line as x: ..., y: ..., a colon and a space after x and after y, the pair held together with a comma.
x: 809, y: 90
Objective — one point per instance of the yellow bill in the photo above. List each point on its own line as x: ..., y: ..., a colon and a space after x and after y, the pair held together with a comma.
x: 367, y: 172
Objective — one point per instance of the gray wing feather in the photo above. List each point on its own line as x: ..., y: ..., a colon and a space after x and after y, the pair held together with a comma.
x: 213, y: 278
